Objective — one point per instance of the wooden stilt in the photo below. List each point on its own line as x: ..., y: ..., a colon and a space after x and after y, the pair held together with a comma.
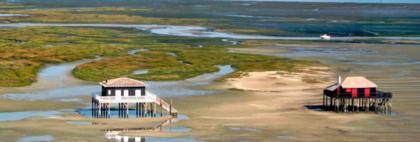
x: 154, y: 109
x: 161, y: 110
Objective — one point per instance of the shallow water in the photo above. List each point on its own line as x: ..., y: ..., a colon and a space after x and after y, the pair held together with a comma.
x: 41, y: 138
x: 183, y: 88
x: 233, y: 42
x: 244, y: 129
x: 339, y: 1
x: 119, y: 138
x: 60, y: 93
x: 12, y: 15
x: 394, y: 69
x: 176, y: 129
x: 353, y: 1
x: 181, y: 117
x: 172, y: 54
x: 56, y: 83
x: 135, y: 51
x: 79, y: 123
x: 353, y: 55
x: 62, y: 86
x: 140, y: 72
x: 195, y: 31
x: 49, y: 78
x: 53, y: 82
x: 285, y: 137
x: 14, y: 116
x: 175, y: 139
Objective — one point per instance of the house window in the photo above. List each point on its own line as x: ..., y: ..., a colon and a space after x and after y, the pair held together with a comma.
x: 109, y: 92
x: 126, y: 93
x: 138, y: 92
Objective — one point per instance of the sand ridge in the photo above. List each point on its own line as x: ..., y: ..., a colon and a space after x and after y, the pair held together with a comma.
x: 282, y: 81
x: 269, y: 102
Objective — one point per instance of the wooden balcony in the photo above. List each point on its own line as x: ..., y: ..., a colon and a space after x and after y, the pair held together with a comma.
x: 148, y: 98
x: 377, y: 94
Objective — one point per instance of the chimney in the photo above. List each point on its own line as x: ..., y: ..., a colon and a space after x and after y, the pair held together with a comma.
x: 339, y: 80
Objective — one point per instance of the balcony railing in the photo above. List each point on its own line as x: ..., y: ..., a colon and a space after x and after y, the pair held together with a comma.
x: 125, y: 99
x: 377, y: 94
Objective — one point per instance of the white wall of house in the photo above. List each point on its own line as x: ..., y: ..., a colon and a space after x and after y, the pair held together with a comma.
x: 126, y: 93
x: 138, y: 92
x: 118, y: 94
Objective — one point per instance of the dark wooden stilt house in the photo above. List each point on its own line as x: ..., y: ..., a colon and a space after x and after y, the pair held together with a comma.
x: 356, y: 94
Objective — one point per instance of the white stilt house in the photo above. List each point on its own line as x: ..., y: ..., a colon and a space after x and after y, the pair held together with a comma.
x: 125, y: 93
x: 124, y: 90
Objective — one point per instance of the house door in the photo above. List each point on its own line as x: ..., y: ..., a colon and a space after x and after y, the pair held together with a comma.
x: 118, y: 94
x: 125, y: 93
x: 138, y: 93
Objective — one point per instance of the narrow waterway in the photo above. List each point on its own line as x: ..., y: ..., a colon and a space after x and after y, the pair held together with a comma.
x: 56, y: 83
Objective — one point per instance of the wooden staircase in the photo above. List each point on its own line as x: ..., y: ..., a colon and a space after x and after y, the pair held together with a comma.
x: 166, y: 106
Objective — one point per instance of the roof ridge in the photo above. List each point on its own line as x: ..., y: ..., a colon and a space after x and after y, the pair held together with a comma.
x: 357, y: 82
x: 122, y: 82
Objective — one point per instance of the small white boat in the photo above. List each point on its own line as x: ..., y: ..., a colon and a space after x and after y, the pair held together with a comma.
x: 325, y: 37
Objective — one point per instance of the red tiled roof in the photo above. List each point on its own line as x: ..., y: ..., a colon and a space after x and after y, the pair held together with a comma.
x: 122, y: 82
x: 357, y: 82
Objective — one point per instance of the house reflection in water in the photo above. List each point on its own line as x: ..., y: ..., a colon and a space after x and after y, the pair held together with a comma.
x: 114, y: 135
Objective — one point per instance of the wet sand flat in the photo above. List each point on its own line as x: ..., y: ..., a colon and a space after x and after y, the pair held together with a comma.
x: 258, y: 106
x: 393, y: 67
x: 269, y: 114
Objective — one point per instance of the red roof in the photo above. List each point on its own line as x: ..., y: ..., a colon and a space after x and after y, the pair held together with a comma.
x: 122, y: 82
x: 357, y: 82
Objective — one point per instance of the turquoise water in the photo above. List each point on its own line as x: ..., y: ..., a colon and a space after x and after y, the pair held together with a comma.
x: 340, y: 1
